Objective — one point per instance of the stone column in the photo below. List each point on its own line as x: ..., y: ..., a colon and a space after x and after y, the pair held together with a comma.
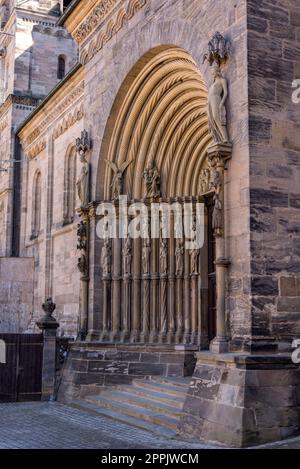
x: 179, y: 255
x: 154, y: 292
x: 136, y: 314
x: 218, y: 154
x: 116, y: 290
x: 95, y: 290
x: 187, y: 298
x: 126, y: 310
x: 172, y: 294
x: 83, y: 267
x: 146, y: 257
x: 49, y: 326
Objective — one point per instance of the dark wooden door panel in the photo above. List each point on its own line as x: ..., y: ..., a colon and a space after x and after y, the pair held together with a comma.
x: 21, y: 375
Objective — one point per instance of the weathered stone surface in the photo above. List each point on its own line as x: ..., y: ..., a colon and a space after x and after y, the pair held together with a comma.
x: 251, y: 404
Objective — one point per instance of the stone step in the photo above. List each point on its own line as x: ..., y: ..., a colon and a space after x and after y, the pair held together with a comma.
x: 176, y: 381
x: 145, y: 402
x: 162, y: 387
x: 135, y: 411
x: 123, y: 418
x: 157, y: 396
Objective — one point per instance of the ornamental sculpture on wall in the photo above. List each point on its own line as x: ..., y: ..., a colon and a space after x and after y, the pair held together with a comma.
x: 217, y: 56
x: 152, y: 180
x: 83, y: 145
x: 117, y: 181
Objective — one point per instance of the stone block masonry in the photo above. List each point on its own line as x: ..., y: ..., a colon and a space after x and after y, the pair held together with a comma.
x: 96, y: 364
x: 16, y: 294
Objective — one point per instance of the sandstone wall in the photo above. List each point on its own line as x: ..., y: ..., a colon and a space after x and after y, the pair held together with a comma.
x: 188, y: 24
x: 16, y: 294
x: 274, y: 62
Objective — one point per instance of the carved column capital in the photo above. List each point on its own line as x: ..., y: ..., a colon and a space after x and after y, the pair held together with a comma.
x: 219, y: 153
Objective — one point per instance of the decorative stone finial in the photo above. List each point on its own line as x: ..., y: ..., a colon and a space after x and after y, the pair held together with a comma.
x: 48, y: 321
x: 218, y: 50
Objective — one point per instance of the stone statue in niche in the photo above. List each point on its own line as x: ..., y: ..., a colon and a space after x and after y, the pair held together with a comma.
x: 83, y: 265
x: 106, y: 257
x: 127, y: 256
x: 83, y: 144
x: 83, y: 182
x: 194, y: 253
x: 152, y: 180
x: 217, y: 218
x: 179, y: 253
x: 146, y: 256
x: 204, y: 180
x: 217, y: 96
x: 163, y: 254
x: 117, y: 181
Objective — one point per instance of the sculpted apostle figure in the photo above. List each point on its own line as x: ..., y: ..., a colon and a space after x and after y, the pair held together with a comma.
x: 179, y: 253
x: 106, y: 257
x: 83, y: 181
x: 217, y: 96
x: 146, y: 256
x: 127, y: 255
x: 152, y: 180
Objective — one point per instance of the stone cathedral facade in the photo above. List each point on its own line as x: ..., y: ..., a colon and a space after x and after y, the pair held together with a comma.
x: 108, y: 98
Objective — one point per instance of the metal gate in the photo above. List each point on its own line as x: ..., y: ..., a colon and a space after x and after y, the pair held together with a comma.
x: 21, y: 375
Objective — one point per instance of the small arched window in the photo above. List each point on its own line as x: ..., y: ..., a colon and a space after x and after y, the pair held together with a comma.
x: 36, y: 205
x: 70, y: 187
x: 61, y: 67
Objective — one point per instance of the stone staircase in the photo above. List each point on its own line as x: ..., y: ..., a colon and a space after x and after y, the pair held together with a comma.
x: 153, y: 404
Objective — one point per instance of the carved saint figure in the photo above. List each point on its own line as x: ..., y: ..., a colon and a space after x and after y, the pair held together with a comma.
x: 204, y: 180
x: 146, y: 256
x: 179, y: 253
x: 217, y: 219
x: 163, y: 254
x: 83, y: 264
x: 83, y: 181
x: 152, y: 180
x: 105, y: 257
x: 194, y: 260
x: 217, y: 96
x: 117, y: 181
x: 127, y: 256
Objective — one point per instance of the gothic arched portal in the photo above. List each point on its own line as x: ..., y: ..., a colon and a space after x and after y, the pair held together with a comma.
x: 156, y: 292
x: 160, y: 113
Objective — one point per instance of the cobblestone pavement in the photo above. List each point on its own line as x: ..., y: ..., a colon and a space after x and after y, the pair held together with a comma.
x: 54, y: 425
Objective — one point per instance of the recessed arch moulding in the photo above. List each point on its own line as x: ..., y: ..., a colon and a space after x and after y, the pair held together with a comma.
x: 162, y: 117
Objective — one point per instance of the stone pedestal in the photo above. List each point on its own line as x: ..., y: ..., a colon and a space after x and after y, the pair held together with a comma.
x: 242, y: 400
x: 49, y: 326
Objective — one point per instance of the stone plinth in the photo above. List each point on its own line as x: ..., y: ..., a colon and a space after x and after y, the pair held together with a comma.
x: 97, y: 364
x: 242, y: 400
